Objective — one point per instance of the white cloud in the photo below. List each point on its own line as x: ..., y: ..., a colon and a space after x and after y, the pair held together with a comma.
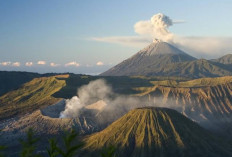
x: 41, y: 62
x: 16, y: 64
x: 72, y: 64
x: 6, y: 63
x: 206, y: 47
x: 28, y: 64
x: 157, y: 27
x: 54, y: 64
x: 99, y: 63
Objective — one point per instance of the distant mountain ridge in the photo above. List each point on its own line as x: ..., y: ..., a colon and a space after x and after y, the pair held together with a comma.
x: 163, y: 59
x: 227, y: 59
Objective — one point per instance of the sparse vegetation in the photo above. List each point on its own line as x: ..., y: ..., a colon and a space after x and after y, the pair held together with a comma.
x: 109, y: 152
x: 69, y: 148
x: 2, y: 148
x: 29, y: 145
x: 52, y: 149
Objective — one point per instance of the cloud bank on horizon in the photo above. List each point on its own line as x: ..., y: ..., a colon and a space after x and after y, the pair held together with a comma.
x: 52, y: 64
x: 157, y: 28
x: 94, y: 68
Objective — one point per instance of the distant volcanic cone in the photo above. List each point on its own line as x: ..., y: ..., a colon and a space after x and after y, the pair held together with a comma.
x: 149, y: 60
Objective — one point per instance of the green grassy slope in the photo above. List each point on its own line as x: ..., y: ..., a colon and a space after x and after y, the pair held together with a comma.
x: 148, y: 132
x: 30, y: 96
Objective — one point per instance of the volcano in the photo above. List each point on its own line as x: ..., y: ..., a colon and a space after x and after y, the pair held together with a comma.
x: 163, y: 59
x: 149, y: 59
x: 157, y: 132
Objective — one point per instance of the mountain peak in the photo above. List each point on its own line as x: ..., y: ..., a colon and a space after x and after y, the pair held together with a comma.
x: 149, y: 59
x: 157, y: 40
x: 158, y: 47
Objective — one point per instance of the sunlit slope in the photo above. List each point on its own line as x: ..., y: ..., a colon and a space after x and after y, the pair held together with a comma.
x: 161, y: 132
x: 207, y: 101
x: 202, y: 82
x: 30, y: 96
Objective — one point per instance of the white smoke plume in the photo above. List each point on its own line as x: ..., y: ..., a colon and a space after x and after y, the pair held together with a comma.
x: 87, y: 94
x: 72, y: 108
x: 95, y: 91
x: 157, y: 27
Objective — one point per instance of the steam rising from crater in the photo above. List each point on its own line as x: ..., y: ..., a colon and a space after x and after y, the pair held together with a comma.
x: 88, y: 94
x: 72, y: 107
x: 99, y: 95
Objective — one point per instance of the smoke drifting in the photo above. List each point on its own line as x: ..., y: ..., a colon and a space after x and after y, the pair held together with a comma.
x: 72, y: 108
x: 99, y: 90
x: 87, y: 94
x: 96, y: 103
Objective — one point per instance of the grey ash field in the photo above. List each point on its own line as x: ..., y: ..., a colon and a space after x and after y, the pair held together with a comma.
x: 160, y: 102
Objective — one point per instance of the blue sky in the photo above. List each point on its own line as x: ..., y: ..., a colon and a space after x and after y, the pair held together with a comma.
x: 60, y: 32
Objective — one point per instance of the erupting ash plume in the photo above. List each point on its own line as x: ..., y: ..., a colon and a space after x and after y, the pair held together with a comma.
x: 157, y: 27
